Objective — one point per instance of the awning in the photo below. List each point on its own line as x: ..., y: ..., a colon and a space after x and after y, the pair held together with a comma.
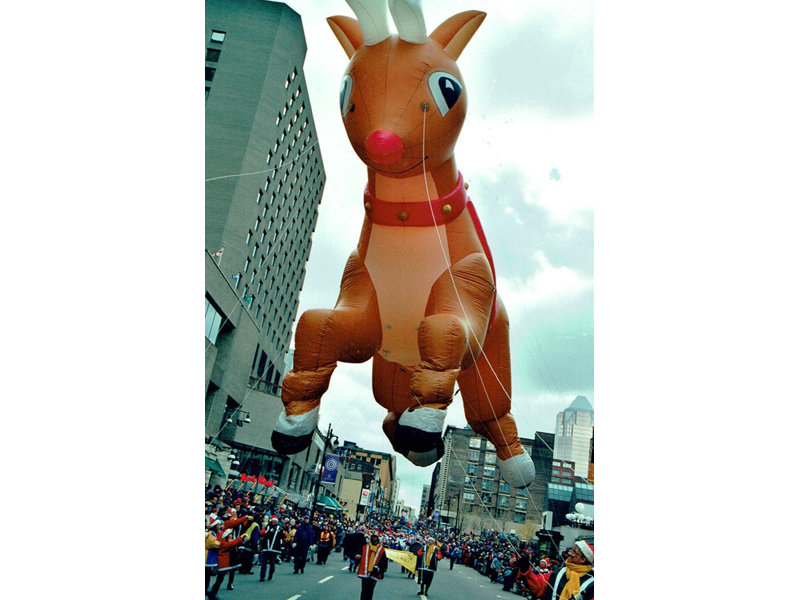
x: 328, y: 502
x: 212, y: 464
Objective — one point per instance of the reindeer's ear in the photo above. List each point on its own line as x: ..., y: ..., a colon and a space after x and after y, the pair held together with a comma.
x: 456, y: 32
x: 348, y: 32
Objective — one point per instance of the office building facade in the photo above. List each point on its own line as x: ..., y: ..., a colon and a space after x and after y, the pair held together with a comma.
x: 264, y: 184
x: 470, y: 493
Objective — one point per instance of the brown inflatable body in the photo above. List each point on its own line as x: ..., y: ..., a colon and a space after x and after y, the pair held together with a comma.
x: 418, y: 294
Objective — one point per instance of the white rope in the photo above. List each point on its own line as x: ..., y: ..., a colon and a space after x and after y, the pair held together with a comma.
x: 461, y: 304
x: 286, y: 164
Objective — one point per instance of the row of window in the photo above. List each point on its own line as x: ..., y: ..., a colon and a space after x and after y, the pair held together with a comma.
x: 490, y: 458
x: 213, y: 53
x: 502, y: 501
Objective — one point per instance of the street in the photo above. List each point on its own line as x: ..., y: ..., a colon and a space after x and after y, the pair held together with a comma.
x: 333, y: 581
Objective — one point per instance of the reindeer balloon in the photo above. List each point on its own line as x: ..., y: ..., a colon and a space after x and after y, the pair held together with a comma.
x: 418, y: 294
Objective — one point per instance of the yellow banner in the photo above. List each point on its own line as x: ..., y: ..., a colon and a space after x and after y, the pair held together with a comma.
x: 408, y: 560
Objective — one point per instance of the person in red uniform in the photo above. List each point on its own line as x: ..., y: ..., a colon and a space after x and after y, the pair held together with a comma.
x: 224, y: 560
x: 372, y: 564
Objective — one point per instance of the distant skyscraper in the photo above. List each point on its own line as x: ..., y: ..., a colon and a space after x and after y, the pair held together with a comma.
x: 573, y: 435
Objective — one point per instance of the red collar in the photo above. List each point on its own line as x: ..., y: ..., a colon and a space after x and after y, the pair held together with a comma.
x: 417, y: 214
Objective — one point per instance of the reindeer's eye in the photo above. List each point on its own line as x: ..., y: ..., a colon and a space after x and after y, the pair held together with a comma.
x: 446, y: 90
x: 344, y: 93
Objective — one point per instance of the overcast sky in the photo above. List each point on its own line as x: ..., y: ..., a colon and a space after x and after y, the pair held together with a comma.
x: 525, y: 150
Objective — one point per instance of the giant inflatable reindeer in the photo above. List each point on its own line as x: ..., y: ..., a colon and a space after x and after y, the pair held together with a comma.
x: 418, y: 294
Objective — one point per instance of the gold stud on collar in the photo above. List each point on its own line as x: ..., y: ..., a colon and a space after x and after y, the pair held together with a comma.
x: 402, y: 215
x: 368, y: 206
x: 446, y: 209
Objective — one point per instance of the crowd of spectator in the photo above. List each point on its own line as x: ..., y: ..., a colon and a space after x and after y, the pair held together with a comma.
x: 242, y: 533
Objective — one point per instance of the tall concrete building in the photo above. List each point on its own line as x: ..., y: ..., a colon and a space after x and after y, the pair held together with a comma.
x: 264, y: 183
x: 424, y: 499
x: 573, y: 436
x: 470, y: 493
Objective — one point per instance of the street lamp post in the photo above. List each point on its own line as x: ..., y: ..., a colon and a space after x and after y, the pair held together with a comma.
x: 328, y: 437
x: 458, y: 511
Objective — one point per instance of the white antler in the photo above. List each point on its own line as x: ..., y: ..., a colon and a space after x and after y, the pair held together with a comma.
x: 373, y: 18
x: 407, y: 16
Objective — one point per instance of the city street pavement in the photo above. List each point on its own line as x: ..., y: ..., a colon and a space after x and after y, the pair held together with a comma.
x: 332, y: 581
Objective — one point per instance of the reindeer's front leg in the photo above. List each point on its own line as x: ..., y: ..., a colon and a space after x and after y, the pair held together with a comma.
x: 350, y: 332
x: 450, y: 336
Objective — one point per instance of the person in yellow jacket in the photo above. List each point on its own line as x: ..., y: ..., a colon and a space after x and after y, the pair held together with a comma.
x: 372, y: 564
x: 428, y: 558
x: 325, y: 543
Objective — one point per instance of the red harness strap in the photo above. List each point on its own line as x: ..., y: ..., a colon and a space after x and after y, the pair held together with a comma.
x: 440, y: 211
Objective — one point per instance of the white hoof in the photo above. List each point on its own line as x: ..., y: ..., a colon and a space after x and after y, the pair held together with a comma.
x: 297, y: 425
x: 424, y: 419
x: 518, y: 471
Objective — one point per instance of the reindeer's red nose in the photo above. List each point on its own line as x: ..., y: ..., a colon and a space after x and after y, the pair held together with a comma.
x: 384, y: 147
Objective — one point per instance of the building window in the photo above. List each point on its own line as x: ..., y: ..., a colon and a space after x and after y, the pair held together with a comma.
x: 505, y: 488
x: 473, y: 455
x: 472, y: 469
x: 469, y: 496
x: 210, y: 74
x: 213, y: 322
x: 488, y: 471
x: 212, y: 54
x: 490, y: 458
x: 521, y: 503
x: 208, y: 91
x: 475, y: 442
x: 218, y: 36
x: 519, y: 517
x: 293, y: 476
x: 503, y: 501
x: 486, y: 499
x: 487, y: 485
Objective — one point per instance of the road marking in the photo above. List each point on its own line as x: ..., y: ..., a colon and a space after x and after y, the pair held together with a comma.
x: 324, y: 580
x: 295, y: 597
x: 345, y: 568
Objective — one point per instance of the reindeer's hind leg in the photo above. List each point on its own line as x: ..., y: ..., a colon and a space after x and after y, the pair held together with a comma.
x: 486, y: 390
x: 350, y: 332
x: 450, y: 334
